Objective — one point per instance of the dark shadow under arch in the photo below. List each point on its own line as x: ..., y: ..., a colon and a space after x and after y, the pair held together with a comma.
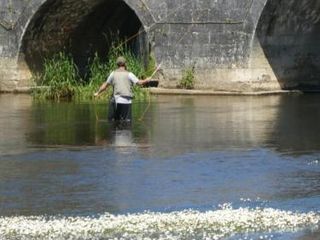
x: 81, y: 28
x: 289, y: 34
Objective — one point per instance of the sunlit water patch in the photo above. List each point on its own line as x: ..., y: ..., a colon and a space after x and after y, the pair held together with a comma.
x: 314, y: 162
x: 189, y: 224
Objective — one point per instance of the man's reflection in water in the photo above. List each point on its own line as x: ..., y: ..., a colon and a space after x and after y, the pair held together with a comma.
x: 122, y: 135
x: 118, y: 134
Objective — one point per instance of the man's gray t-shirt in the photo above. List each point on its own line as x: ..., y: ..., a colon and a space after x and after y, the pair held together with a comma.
x: 121, y: 99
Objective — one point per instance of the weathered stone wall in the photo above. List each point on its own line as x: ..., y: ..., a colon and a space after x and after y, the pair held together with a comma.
x: 289, y: 33
x: 239, y: 45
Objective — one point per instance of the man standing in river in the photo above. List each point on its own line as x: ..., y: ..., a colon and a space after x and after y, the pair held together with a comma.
x: 122, y: 82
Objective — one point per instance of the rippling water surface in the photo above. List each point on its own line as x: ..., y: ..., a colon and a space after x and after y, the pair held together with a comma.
x: 193, y: 168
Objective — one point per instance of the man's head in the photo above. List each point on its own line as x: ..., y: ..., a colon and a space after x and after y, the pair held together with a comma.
x: 121, y: 62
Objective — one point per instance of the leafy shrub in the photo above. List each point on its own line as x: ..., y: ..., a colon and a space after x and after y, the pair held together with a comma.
x: 188, y: 78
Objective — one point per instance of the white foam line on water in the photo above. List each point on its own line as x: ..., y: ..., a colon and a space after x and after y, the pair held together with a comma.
x: 186, y: 224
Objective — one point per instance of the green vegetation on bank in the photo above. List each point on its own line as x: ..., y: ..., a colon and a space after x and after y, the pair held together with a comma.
x: 188, y: 78
x: 60, y: 78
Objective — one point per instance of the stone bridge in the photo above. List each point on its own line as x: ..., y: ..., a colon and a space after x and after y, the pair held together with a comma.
x: 235, y: 45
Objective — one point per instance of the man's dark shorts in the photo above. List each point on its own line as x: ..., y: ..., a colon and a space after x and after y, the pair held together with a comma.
x: 119, y: 112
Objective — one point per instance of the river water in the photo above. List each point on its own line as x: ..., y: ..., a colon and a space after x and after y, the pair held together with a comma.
x: 218, y: 167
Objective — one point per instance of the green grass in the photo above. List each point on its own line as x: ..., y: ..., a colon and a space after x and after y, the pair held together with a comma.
x: 60, y: 78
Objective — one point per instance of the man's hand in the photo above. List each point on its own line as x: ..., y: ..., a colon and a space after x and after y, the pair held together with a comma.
x: 101, y: 89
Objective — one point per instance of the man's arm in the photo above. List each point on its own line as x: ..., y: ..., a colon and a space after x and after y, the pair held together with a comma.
x: 137, y: 81
x: 142, y: 82
x: 103, y: 87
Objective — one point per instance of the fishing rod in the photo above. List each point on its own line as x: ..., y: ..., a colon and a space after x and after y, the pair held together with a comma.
x: 152, y: 25
x: 149, y: 98
x: 156, y: 70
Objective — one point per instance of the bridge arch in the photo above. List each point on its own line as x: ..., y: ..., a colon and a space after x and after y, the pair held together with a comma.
x: 80, y: 28
x: 288, y: 33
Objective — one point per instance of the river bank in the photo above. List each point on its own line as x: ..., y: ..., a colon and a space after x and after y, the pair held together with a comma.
x: 168, y: 91
x: 177, y: 91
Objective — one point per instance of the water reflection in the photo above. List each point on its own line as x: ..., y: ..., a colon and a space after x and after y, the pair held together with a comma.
x: 15, y: 114
x: 214, y: 123
x: 66, y: 158
x: 296, y: 129
x: 77, y: 125
x: 173, y: 124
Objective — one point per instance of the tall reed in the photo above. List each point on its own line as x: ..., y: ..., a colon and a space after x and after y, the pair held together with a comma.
x: 98, y: 72
x: 60, y: 78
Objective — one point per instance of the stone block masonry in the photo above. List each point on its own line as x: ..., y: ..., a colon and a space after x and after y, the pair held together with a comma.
x: 235, y: 45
